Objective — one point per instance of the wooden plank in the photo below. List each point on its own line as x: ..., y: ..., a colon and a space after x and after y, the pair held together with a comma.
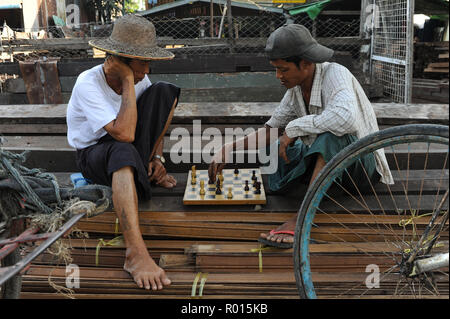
x: 250, y: 218
x: 107, y: 274
x: 21, y: 98
x: 358, y: 225
x: 436, y: 70
x: 184, y: 81
x: 182, y: 63
x: 326, y: 248
x: 64, y: 161
x: 253, y: 94
x: 174, y: 142
x: 414, y: 181
x: 439, y: 65
x: 235, y: 112
x: 264, y: 81
x: 219, y: 216
x: 170, y: 260
x: 234, y: 231
x: 54, y: 154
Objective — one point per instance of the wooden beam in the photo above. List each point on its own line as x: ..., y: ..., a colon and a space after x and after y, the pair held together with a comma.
x: 231, y: 112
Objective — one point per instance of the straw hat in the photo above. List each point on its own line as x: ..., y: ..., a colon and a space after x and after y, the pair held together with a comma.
x: 133, y: 36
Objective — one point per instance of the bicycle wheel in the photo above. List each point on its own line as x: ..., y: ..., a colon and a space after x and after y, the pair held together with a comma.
x: 354, y: 242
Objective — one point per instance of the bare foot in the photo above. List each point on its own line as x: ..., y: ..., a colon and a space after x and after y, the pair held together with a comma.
x: 282, y: 238
x: 168, y: 182
x: 144, y: 270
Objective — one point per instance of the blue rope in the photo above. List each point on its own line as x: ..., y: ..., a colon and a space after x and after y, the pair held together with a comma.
x: 10, y: 163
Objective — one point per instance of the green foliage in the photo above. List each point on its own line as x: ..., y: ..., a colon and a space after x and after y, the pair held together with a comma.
x: 131, y: 6
x: 107, y: 9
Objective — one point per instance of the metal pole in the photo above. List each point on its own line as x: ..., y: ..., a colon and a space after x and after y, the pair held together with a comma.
x: 409, y: 51
x: 211, y: 23
x: 221, y: 21
x: 372, y: 43
x: 230, y: 26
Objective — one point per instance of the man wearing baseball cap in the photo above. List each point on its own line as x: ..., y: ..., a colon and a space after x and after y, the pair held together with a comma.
x: 116, y: 121
x: 324, y: 110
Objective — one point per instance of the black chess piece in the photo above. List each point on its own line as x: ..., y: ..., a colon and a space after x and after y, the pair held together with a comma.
x: 255, y: 181
x: 254, y: 175
x: 258, y: 188
x: 236, y: 171
x: 218, y: 191
x: 246, y: 188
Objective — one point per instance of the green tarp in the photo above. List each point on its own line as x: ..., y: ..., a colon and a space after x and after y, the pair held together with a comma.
x: 312, y: 9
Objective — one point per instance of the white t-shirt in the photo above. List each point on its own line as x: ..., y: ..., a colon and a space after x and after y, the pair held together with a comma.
x: 94, y: 104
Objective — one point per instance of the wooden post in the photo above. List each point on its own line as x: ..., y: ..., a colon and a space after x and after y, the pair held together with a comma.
x: 314, y: 28
x: 230, y: 26
x: 41, y: 81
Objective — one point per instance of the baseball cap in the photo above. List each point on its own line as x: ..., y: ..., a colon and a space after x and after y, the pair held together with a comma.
x: 296, y: 40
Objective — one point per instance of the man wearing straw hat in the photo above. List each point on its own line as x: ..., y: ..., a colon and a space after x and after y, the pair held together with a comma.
x: 117, y: 120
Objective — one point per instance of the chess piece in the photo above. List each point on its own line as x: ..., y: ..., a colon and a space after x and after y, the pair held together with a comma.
x: 258, y: 188
x: 255, y: 181
x: 202, y: 188
x: 194, y: 171
x: 218, y: 191
x: 193, y: 180
x: 236, y: 171
x: 210, y: 182
x: 230, y: 194
x: 221, y: 179
x: 254, y: 175
x: 246, y: 188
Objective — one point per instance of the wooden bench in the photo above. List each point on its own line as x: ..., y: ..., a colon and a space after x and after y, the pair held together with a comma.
x: 187, y: 240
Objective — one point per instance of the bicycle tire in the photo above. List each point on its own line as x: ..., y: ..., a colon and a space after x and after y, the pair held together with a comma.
x: 415, y: 133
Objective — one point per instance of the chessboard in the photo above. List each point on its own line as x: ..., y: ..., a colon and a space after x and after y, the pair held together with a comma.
x: 230, y: 182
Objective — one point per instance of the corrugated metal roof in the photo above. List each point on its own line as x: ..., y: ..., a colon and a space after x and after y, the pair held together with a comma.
x: 241, y: 4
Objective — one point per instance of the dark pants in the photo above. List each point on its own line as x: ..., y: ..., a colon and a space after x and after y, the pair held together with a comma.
x: 290, y: 176
x: 98, y: 162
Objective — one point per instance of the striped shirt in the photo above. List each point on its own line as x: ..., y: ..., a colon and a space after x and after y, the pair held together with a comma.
x: 338, y: 105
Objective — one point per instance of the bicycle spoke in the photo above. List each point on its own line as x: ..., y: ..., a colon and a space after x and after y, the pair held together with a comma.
x: 423, y: 179
x: 365, y: 205
x: 376, y: 196
x: 440, y: 183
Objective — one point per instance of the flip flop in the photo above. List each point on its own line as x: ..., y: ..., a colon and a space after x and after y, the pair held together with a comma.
x: 276, y: 244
